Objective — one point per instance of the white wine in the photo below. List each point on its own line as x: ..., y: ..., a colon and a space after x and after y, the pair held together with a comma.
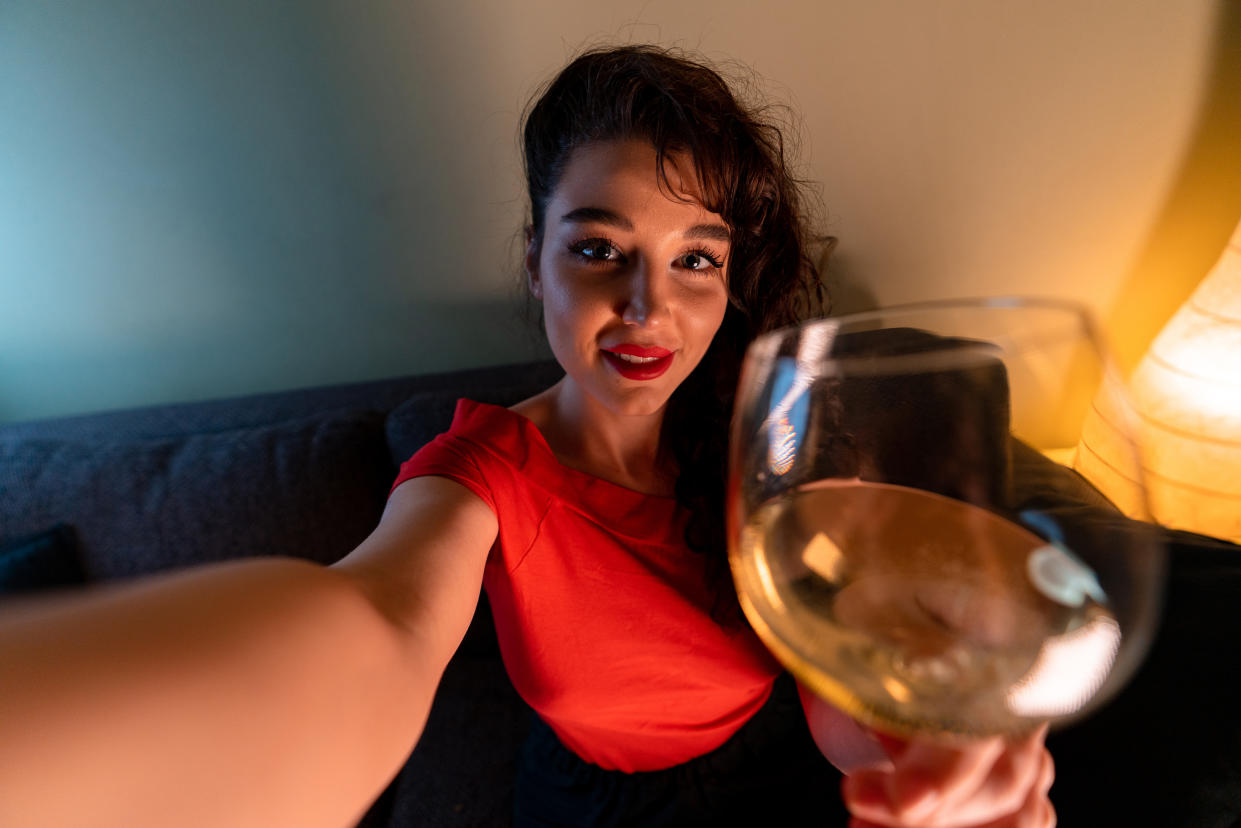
x: 912, y: 611
x: 915, y: 612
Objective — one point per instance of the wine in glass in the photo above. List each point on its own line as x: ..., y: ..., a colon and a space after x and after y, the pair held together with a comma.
x: 905, y: 534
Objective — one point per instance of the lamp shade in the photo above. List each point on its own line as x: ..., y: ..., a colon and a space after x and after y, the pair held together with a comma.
x: 1186, y: 393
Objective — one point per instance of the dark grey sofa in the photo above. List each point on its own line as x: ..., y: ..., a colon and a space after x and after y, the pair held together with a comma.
x: 302, y: 473
x: 306, y: 473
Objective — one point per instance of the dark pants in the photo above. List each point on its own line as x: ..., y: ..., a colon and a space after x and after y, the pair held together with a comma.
x: 769, y: 772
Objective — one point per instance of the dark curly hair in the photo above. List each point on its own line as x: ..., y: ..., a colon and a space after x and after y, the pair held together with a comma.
x: 682, y: 105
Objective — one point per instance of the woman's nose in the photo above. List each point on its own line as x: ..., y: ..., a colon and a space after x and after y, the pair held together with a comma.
x: 646, y: 299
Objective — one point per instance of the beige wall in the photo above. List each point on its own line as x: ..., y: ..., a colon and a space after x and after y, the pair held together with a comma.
x: 265, y: 195
x: 965, y: 147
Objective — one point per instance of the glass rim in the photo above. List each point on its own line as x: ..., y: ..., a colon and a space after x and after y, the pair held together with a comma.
x: 1083, y: 325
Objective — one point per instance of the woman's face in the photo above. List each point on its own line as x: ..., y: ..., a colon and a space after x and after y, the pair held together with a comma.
x: 631, y: 278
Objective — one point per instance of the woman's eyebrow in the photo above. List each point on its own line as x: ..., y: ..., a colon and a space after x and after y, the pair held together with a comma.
x: 597, y: 215
x: 709, y: 232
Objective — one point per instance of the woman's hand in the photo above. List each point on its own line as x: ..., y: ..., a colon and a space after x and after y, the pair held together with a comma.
x: 989, y: 783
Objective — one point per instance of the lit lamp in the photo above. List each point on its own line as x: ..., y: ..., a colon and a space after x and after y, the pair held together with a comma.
x: 1186, y: 393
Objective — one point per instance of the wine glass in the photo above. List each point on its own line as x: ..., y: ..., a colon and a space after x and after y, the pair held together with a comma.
x: 906, y: 533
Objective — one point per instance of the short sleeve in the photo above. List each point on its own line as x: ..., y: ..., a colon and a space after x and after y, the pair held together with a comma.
x: 452, y: 457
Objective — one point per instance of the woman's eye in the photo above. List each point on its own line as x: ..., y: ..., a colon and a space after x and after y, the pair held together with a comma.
x: 597, y: 250
x: 700, y: 260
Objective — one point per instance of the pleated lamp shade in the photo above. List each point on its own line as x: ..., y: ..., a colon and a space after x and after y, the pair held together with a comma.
x: 1186, y: 393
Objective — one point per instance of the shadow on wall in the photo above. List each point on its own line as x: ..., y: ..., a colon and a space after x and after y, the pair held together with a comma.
x: 1200, y: 212
x: 847, y: 292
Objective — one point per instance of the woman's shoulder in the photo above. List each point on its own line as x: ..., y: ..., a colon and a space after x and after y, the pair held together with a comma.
x: 492, y: 427
x: 484, y: 445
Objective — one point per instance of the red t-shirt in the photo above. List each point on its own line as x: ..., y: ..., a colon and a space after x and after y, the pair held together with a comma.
x: 601, y: 610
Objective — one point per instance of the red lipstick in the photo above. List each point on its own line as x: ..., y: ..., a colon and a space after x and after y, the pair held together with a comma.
x: 638, y: 362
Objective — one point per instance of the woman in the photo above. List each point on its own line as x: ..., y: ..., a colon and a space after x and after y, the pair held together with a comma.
x: 665, y: 234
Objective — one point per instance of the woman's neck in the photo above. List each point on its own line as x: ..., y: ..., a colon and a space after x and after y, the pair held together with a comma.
x: 620, y: 448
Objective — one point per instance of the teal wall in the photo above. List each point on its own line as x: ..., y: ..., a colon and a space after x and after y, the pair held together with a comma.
x: 202, y: 199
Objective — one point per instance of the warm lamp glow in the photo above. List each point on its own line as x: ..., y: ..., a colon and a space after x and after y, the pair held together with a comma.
x: 1187, y: 395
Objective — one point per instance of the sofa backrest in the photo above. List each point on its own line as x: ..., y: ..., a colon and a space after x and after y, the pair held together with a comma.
x: 302, y: 473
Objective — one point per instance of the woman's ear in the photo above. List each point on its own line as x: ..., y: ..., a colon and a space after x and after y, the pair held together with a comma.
x: 532, y: 264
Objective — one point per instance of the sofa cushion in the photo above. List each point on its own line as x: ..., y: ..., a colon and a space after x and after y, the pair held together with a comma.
x: 311, y: 488
x: 416, y: 421
x: 1167, y: 750
x: 43, y: 560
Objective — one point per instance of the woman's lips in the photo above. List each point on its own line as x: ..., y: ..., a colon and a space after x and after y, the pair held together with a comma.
x: 638, y: 362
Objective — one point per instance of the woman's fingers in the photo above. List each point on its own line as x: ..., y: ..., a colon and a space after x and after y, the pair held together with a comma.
x: 927, y: 780
x: 1025, y: 768
x: 946, y: 786
x: 1036, y: 810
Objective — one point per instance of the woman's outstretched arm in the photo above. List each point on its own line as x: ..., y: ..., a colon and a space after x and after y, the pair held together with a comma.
x: 259, y: 692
